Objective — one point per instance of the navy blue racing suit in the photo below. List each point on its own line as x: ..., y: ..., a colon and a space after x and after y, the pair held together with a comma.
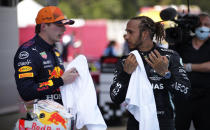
x: 38, y: 69
x: 164, y: 89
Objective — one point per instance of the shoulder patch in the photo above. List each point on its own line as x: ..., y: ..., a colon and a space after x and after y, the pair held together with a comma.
x: 23, y: 55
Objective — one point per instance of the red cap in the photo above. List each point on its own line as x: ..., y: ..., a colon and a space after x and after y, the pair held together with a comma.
x: 52, y: 14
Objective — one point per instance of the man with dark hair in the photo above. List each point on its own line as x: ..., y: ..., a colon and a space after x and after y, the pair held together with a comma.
x: 39, y: 70
x: 164, y: 70
x: 196, y: 56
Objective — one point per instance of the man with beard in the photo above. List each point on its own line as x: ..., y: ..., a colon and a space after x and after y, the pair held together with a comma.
x: 164, y: 70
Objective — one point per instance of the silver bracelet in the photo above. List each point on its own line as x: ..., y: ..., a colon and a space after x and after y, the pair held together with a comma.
x: 188, y: 67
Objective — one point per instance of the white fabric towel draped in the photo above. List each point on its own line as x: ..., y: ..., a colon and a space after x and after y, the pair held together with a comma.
x: 80, y: 97
x: 140, y: 98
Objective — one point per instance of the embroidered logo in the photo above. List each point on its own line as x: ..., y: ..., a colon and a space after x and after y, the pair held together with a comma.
x: 55, y: 73
x: 25, y: 69
x: 43, y: 54
x: 23, y: 55
x: 26, y: 75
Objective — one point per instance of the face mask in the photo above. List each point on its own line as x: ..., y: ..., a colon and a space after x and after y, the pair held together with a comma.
x: 202, y: 33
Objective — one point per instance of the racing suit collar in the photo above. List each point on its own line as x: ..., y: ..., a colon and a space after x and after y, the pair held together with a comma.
x: 43, y: 44
x: 147, y: 52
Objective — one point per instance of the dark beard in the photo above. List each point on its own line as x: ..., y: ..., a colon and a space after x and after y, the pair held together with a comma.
x: 139, y: 43
x: 136, y: 48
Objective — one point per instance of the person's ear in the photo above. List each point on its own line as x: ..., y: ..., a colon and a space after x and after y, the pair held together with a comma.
x: 145, y: 34
x: 43, y: 26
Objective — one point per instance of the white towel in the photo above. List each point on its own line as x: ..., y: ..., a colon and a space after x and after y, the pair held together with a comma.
x: 80, y: 96
x: 140, y: 98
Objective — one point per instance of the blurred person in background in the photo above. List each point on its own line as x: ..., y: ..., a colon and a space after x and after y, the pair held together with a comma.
x: 164, y: 70
x: 196, y: 56
x: 110, y: 49
x: 39, y: 70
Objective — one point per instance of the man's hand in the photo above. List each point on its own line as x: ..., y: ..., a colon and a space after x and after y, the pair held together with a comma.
x: 69, y: 76
x: 157, y: 62
x: 130, y: 64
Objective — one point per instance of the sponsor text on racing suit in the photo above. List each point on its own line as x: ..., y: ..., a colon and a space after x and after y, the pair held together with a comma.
x: 164, y: 89
x: 38, y: 69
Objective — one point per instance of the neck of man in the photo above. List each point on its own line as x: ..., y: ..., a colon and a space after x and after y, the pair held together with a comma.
x: 46, y: 39
x: 146, y: 45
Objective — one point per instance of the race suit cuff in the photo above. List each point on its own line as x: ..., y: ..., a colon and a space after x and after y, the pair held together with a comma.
x: 124, y: 77
x: 58, y: 82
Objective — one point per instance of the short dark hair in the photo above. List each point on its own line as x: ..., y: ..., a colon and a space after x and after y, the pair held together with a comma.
x: 154, y: 28
x: 38, y: 28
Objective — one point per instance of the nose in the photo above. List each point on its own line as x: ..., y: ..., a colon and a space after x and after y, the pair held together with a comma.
x: 126, y: 36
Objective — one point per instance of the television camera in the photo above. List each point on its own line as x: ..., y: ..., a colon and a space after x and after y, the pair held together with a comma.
x: 184, y: 25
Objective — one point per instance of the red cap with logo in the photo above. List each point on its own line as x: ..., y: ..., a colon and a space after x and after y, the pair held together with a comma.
x: 52, y: 14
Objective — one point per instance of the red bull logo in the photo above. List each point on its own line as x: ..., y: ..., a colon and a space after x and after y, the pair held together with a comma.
x: 48, y: 83
x: 57, y: 119
x: 56, y: 73
x: 53, y: 119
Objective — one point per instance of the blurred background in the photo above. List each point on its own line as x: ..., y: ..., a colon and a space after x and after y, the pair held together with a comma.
x: 97, y: 23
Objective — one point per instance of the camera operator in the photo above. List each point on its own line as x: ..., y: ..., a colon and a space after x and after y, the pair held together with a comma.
x: 196, y: 56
